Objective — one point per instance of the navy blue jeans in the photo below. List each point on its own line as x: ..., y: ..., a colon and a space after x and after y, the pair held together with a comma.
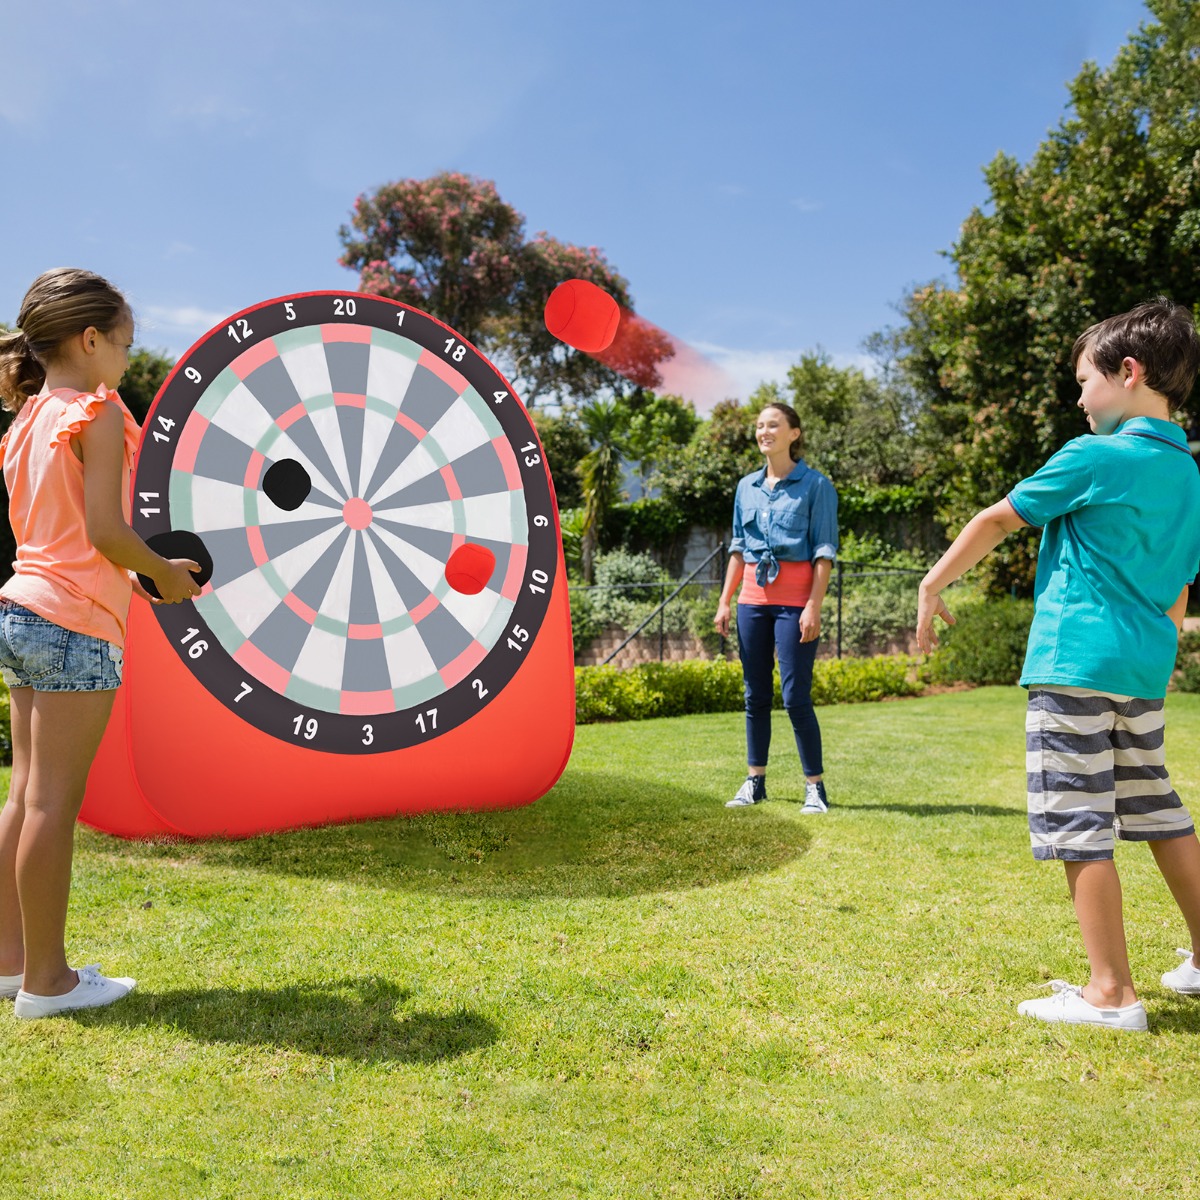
x: 765, y: 630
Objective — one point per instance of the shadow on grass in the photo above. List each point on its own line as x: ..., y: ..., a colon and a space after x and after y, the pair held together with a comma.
x: 595, y: 834
x: 939, y: 810
x: 348, y: 1018
x: 1176, y: 1014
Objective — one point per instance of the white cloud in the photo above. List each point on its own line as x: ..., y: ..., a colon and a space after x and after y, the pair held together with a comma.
x: 747, y: 369
x: 175, y: 328
x: 207, y: 111
x: 804, y: 205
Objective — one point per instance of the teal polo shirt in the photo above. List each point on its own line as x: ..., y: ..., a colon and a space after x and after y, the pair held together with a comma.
x: 1121, y: 538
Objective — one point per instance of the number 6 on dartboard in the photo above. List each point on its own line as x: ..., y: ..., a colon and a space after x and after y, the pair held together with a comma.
x: 382, y: 574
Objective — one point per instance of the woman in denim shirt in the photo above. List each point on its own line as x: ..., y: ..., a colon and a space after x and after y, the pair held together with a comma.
x: 784, y: 541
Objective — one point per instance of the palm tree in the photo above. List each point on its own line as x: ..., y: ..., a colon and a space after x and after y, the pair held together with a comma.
x: 600, y: 469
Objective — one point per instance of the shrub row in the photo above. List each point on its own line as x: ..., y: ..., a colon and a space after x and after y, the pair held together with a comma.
x: 1187, y: 665
x: 678, y: 689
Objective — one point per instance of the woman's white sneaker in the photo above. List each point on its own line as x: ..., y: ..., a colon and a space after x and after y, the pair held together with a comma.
x: 10, y: 985
x: 1068, y: 1007
x: 92, y: 991
x: 753, y: 791
x: 1185, y: 979
x: 815, y: 798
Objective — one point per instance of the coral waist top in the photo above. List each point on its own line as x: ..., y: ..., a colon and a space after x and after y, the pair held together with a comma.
x: 58, y: 573
x: 792, y: 586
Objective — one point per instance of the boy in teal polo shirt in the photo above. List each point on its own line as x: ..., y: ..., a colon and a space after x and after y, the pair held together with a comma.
x: 1120, y: 514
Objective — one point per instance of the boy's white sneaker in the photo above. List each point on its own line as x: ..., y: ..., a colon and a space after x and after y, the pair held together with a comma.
x: 1185, y: 979
x: 1068, y: 1006
x: 10, y: 985
x: 92, y: 991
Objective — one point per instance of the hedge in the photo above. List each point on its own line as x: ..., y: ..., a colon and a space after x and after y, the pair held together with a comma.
x: 678, y: 689
x: 986, y: 644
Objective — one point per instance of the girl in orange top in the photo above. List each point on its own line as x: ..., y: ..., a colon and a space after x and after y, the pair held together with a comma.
x: 67, y: 457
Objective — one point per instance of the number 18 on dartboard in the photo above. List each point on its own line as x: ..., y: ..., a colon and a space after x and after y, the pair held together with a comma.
x: 382, y: 565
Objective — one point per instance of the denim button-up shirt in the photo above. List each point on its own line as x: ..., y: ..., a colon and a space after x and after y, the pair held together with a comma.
x: 795, y: 521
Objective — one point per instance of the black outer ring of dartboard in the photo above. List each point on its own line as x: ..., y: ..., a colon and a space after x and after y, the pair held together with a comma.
x: 215, y: 669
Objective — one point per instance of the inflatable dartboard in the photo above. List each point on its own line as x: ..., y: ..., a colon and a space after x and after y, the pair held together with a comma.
x: 384, y: 625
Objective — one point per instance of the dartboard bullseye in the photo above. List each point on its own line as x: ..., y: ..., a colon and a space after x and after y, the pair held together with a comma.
x: 379, y: 520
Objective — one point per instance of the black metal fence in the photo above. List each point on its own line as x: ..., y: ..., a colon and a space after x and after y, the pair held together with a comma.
x: 869, y: 608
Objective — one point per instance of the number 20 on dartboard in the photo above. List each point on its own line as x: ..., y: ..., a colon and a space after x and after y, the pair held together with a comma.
x: 332, y: 452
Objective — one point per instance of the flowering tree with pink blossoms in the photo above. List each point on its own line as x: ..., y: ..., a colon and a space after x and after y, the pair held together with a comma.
x: 451, y: 246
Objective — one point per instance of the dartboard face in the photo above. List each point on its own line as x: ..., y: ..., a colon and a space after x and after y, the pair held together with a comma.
x: 379, y: 518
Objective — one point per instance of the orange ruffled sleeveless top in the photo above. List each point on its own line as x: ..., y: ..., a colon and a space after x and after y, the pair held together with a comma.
x: 58, y: 573
x: 793, y: 585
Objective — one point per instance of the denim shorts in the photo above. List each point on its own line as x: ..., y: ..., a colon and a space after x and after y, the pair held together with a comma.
x: 36, y: 653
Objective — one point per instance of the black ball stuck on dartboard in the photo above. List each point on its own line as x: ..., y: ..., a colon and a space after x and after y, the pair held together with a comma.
x: 287, y: 484
x: 179, y: 543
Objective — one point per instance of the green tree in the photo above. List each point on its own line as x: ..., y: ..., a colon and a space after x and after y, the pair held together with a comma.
x: 566, y: 444
x: 1105, y: 214
x: 451, y: 246
x: 655, y: 426
x: 148, y: 370
x: 699, y: 479
x: 857, y: 429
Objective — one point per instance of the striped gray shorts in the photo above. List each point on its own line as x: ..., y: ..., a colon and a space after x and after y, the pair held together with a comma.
x: 1095, y: 768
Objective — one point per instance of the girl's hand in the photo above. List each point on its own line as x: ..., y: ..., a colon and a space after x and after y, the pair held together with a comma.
x: 930, y: 605
x: 138, y: 590
x: 175, y: 580
x: 721, y: 621
x: 810, y: 623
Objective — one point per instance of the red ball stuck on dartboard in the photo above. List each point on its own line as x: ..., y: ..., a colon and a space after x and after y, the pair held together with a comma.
x: 469, y: 568
x: 582, y: 315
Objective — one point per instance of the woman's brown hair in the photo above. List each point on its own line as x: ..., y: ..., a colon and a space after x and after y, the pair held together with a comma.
x: 58, y: 305
x: 796, y: 449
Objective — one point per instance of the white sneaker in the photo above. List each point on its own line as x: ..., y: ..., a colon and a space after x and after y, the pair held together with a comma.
x: 1068, y: 1006
x: 815, y: 799
x: 1185, y: 979
x: 92, y: 991
x: 748, y: 793
x: 10, y: 985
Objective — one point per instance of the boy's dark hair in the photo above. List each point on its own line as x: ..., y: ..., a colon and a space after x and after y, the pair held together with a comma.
x: 1160, y: 335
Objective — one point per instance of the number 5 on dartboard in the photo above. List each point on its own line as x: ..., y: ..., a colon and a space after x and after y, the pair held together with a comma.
x: 338, y: 583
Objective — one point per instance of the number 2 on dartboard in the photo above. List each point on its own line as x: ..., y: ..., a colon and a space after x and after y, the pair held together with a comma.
x: 355, y: 480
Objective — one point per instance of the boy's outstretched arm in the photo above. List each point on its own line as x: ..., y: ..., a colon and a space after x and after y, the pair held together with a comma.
x: 979, y: 537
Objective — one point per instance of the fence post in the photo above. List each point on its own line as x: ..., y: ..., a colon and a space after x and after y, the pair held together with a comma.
x: 839, y: 592
x: 662, y: 617
x: 721, y: 559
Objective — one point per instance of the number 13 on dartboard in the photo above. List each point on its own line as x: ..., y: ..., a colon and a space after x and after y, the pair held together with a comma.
x: 387, y: 591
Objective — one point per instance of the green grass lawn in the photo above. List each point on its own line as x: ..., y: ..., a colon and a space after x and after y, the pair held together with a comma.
x: 624, y: 990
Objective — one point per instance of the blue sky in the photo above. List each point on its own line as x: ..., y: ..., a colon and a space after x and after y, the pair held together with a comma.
x: 769, y: 176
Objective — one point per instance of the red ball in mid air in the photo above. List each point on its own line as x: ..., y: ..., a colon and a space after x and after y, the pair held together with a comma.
x: 582, y: 315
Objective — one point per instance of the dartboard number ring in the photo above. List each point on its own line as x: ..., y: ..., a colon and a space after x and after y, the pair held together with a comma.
x: 378, y: 515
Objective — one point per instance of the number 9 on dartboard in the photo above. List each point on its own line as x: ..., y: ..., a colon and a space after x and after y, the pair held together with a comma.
x: 383, y: 625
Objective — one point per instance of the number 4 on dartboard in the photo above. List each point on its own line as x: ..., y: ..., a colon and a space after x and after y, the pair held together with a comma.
x: 339, y: 618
